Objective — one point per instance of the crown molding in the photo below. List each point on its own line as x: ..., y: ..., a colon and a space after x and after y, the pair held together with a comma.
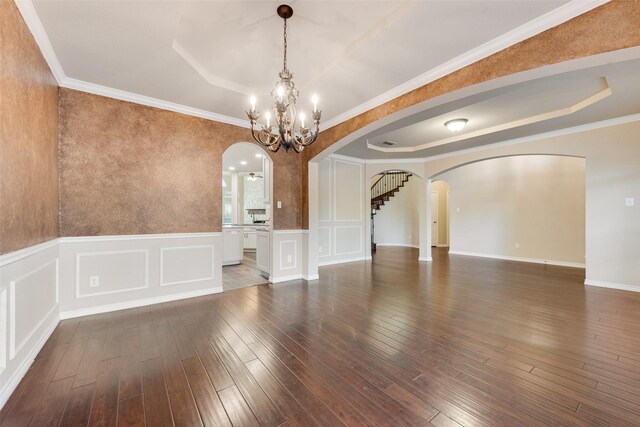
x: 150, y: 102
x: 552, y: 134
x: 548, y: 115
x: 540, y: 24
x: 31, y: 18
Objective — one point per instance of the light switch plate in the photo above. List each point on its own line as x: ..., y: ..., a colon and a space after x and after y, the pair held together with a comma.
x: 279, y: 204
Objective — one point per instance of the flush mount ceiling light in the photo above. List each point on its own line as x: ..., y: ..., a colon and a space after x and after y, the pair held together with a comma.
x: 287, y: 133
x: 258, y: 155
x: 456, y: 125
x: 231, y: 168
x: 243, y: 162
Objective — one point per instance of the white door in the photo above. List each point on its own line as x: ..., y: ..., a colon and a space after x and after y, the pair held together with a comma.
x: 434, y: 218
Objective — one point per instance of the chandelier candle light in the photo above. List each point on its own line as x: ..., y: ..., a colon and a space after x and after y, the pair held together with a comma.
x: 287, y: 133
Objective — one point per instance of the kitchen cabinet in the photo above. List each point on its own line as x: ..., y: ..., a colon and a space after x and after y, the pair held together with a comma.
x: 232, y: 245
x: 249, y: 239
x: 263, y: 256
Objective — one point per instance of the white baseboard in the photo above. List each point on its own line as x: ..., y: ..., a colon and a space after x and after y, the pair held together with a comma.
x: 285, y: 278
x: 137, y: 303
x: 343, y: 261
x: 311, y: 277
x: 520, y: 259
x: 404, y: 245
x: 10, y: 387
x: 610, y: 285
x: 426, y: 259
x: 442, y: 246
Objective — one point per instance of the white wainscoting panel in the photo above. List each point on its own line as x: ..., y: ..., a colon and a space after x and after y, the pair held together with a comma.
x: 324, y: 239
x: 286, y: 255
x: 348, y: 239
x: 29, y: 309
x: 186, y: 264
x: 137, y: 270
x: 4, y: 307
x: 343, y: 199
x: 118, y: 271
x: 28, y: 291
x: 347, y: 190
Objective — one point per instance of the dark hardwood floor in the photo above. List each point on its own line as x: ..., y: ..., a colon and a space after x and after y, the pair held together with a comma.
x: 460, y: 341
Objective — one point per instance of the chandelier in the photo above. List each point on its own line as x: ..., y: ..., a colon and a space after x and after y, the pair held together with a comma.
x: 285, y: 132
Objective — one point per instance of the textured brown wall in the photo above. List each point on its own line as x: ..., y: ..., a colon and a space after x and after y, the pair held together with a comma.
x: 613, y: 26
x: 28, y: 138
x: 131, y: 169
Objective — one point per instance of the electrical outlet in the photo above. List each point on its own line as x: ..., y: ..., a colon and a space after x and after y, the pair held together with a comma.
x: 320, y: 249
x: 289, y: 258
x: 629, y: 201
x: 517, y: 245
x: 94, y: 281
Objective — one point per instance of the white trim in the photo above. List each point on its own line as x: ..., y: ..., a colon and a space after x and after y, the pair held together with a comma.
x: 129, y: 251
x: 137, y: 303
x: 542, y: 23
x: 346, y: 158
x: 343, y: 261
x: 398, y: 244
x: 290, y: 232
x: 538, y: 25
x: 84, y: 239
x: 281, y: 279
x: 610, y: 285
x: 12, y: 257
x: 391, y: 161
x: 552, y: 134
x: 151, y: 102
x: 442, y: 246
x: 31, y: 18
x: 425, y: 259
x: 12, y: 383
x: 520, y: 259
x: 310, y: 278
x: 537, y: 118
x: 616, y: 121
x: 13, y: 348
x: 4, y: 324
x: 335, y: 239
x: 184, y: 282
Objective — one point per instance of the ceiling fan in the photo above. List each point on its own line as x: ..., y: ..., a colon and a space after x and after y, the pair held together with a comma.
x: 253, y: 176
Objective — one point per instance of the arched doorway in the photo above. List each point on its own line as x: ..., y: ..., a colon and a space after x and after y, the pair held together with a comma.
x: 247, y: 190
x: 395, y: 210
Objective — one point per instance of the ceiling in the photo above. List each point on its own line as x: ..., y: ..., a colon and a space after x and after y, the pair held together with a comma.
x: 517, y: 111
x: 206, y: 57
x: 239, y: 153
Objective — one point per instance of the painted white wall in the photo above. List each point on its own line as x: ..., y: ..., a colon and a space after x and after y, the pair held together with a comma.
x: 29, y: 309
x: 536, y: 203
x: 612, y: 174
x: 342, y: 209
x: 398, y: 221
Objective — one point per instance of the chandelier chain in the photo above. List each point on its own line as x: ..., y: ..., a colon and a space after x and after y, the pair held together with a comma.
x: 285, y: 44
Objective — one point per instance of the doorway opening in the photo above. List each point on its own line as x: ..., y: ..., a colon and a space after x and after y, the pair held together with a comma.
x: 246, y: 216
x: 439, y: 214
x: 395, y: 206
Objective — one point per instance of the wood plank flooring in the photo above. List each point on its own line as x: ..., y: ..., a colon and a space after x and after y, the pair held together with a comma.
x: 460, y: 341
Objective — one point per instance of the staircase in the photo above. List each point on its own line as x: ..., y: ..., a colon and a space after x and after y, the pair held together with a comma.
x: 382, y: 190
x: 386, y: 187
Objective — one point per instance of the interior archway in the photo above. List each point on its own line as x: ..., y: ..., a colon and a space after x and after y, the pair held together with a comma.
x: 247, y: 217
